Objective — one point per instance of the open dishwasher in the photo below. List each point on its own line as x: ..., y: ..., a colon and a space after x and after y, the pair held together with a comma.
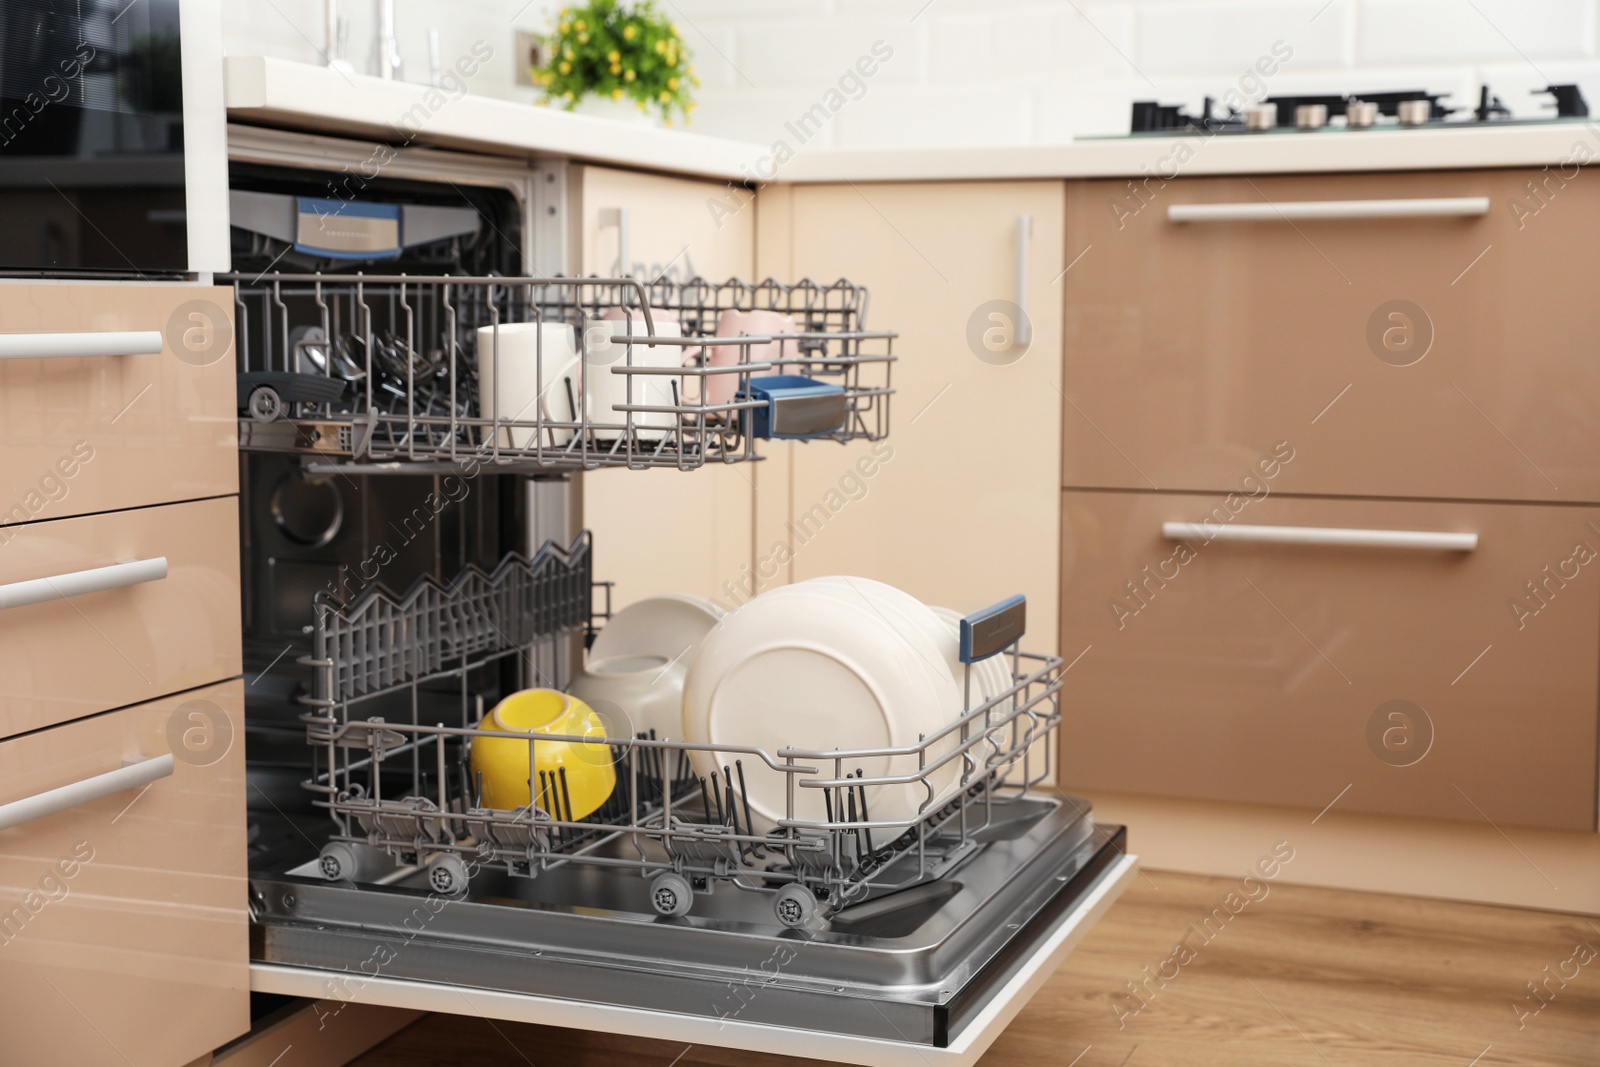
x: 669, y: 911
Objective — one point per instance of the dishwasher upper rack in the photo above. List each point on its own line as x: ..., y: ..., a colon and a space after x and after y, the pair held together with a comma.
x: 403, y: 787
x: 381, y: 372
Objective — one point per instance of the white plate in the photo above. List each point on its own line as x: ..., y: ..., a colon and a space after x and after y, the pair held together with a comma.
x: 811, y: 671
x: 990, y: 677
x: 670, y: 625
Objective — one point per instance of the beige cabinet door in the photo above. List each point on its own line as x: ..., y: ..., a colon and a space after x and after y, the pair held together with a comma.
x: 664, y: 531
x: 124, y: 935
x: 1425, y: 681
x: 959, y: 505
x: 1428, y: 336
x: 114, y: 396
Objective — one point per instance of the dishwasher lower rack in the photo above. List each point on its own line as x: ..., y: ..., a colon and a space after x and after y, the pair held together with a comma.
x: 383, y: 372
x: 855, y: 939
x: 400, y: 785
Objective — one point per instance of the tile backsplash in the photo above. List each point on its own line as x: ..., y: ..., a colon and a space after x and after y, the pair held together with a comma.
x: 1002, y: 72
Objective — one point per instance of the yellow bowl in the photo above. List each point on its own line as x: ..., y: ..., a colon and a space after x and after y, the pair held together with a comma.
x: 502, y: 764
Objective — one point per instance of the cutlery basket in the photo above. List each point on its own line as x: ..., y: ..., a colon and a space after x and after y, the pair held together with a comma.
x: 401, y: 355
x: 400, y: 683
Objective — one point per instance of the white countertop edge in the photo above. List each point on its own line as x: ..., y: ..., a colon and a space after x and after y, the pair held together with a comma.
x: 279, y: 92
x: 1326, y: 151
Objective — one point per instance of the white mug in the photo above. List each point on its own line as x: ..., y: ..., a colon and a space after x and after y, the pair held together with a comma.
x: 509, y: 371
x: 608, y: 383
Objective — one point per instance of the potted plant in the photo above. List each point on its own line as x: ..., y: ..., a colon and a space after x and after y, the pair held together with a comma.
x: 614, y: 57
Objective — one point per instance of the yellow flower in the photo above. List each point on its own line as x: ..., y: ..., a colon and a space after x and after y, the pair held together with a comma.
x: 616, y: 94
x: 690, y: 106
x: 628, y: 75
x: 568, y: 97
x: 666, y: 97
x: 583, y: 38
x: 672, y: 28
x: 565, y: 68
x: 582, y: 25
x: 661, y: 46
x: 565, y: 26
x: 666, y: 120
x: 567, y: 53
x: 616, y: 68
x: 628, y: 33
x: 672, y: 83
x: 614, y: 55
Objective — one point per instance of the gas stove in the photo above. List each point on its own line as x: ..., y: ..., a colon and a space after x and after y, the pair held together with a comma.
x: 1408, y: 108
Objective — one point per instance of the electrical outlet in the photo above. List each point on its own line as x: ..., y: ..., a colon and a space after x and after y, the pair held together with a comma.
x: 529, y: 53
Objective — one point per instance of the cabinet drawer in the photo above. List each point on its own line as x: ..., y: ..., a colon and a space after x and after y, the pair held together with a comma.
x: 1252, y: 671
x: 75, y: 643
x: 1194, y: 346
x: 123, y: 932
x: 86, y: 433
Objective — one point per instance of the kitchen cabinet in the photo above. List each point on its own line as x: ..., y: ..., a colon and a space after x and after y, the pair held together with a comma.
x: 664, y: 531
x: 1425, y: 681
x: 123, y: 925
x: 124, y: 607
x: 114, y: 396
x: 959, y: 506
x: 1432, y: 346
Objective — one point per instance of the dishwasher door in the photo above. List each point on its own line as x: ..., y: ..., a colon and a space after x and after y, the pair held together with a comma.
x: 928, y: 975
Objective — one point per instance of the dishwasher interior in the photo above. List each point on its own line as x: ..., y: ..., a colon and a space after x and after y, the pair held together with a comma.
x: 413, y: 554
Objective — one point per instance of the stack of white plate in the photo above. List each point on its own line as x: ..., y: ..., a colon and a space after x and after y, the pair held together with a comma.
x: 832, y: 664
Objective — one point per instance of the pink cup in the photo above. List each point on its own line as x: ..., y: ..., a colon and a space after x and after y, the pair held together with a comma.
x: 721, y: 388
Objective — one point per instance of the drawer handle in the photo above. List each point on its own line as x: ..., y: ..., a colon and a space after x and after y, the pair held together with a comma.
x: 77, y: 583
x: 51, y: 801
x: 72, y: 345
x: 1024, y: 329
x: 1422, y: 540
x: 1427, y: 208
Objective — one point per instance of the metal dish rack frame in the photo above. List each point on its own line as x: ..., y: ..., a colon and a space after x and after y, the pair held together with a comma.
x: 687, y: 833
x: 345, y: 325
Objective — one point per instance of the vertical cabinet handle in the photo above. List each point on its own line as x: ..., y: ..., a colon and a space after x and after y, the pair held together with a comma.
x: 77, y: 583
x: 618, y: 217
x: 1024, y: 331
x: 75, y: 345
x: 51, y: 801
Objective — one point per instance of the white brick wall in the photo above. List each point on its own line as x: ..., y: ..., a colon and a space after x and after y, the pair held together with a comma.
x: 988, y: 72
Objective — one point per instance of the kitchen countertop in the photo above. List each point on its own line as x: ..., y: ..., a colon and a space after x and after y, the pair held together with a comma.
x: 277, y: 92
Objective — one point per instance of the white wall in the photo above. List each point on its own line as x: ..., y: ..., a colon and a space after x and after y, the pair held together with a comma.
x: 990, y: 72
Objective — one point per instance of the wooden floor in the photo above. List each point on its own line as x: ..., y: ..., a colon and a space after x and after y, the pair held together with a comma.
x: 1317, y: 977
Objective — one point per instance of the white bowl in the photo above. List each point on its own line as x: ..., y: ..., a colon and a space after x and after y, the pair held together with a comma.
x: 634, y: 694
x: 670, y: 625
x: 813, y: 672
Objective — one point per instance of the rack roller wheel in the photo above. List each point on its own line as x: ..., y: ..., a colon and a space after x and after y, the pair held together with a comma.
x: 447, y: 875
x: 265, y: 404
x: 337, y: 862
x: 795, y: 905
x: 671, y: 894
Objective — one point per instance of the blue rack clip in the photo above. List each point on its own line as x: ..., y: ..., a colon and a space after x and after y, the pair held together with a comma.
x: 797, y: 407
x: 994, y: 629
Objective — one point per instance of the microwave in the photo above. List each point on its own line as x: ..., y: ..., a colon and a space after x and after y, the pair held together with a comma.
x: 113, y: 151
